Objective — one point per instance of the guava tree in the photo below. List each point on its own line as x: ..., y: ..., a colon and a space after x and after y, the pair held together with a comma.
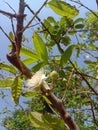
x: 67, y: 87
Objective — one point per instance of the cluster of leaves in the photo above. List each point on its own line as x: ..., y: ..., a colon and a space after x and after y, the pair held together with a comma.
x: 91, y: 22
x: 68, y: 84
x: 19, y: 120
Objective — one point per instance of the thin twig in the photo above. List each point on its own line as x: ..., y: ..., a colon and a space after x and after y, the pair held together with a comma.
x: 6, y: 34
x: 57, y: 43
x: 81, y: 4
x: 8, y: 14
x: 10, y: 7
x: 34, y: 16
x: 82, y: 76
x: 93, y: 113
x: 67, y: 85
x: 89, y: 53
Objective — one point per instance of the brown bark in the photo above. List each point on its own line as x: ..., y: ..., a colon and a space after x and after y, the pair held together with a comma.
x: 58, y: 105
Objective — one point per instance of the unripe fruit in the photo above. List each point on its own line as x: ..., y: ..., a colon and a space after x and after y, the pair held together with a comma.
x: 53, y: 74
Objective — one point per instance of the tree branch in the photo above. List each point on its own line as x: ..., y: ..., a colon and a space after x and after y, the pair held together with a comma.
x: 8, y: 14
x: 57, y: 103
x: 13, y: 57
x: 35, y: 14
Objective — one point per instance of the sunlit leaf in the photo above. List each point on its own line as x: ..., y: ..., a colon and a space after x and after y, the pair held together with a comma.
x: 28, y: 61
x: 66, y: 55
x: 8, y: 68
x: 27, y: 52
x: 62, y: 8
x: 40, y: 47
x: 16, y: 89
x: 47, y: 100
x: 6, y: 83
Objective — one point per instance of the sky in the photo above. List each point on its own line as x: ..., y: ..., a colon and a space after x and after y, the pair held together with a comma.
x: 6, y: 25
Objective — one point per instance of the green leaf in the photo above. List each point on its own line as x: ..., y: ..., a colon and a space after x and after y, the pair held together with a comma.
x: 28, y: 61
x: 54, y: 122
x: 51, y: 20
x: 90, y: 62
x: 79, y: 26
x: 47, y: 100
x: 27, y: 52
x: 37, y: 121
x: 8, y: 68
x: 92, y: 46
x: 47, y: 121
x: 65, y: 40
x: 37, y: 66
x: 40, y: 47
x: 29, y: 94
x: 62, y: 8
x: 6, y: 83
x: 79, y: 20
x: 16, y: 89
x: 66, y: 55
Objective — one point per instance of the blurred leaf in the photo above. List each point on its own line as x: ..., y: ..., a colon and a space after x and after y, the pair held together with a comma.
x: 66, y: 55
x: 16, y: 89
x: 92, y: 46
x: 66, y: 40
x: 40, y: 47
x: 90, y: 62
x: 79, y: 26
x: 8, y: 68
x: 62, y: 8
x: 72, y: 32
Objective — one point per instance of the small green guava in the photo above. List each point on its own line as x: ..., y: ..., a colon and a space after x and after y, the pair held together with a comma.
x: 53, y: 74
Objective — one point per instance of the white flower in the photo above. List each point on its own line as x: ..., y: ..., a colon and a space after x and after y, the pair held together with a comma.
x: 37, y: 81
